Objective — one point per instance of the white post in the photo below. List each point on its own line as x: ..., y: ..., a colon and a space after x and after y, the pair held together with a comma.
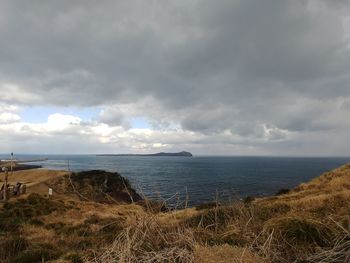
x: 50, y: 192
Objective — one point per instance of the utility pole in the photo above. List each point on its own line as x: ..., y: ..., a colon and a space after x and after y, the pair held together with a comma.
x: 5, y: 169
x: 11, y: 163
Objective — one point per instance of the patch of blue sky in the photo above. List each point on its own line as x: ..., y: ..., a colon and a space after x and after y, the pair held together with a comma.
x: 39, y: 114
x: 140, y: 123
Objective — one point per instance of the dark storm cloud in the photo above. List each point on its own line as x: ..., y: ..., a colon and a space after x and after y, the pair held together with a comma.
x: 248, y: 67
x: 169, y: 49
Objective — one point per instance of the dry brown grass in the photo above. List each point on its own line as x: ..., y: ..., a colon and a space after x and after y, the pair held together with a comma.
x: 147, y: 241
x: 332, y: 189
x: 38, y: 233
x: 226, y: 254
x: 35, y: 176
x: 339, y: 253
x: 177, y: 216
x: 83, y: 210
x: 308, y: 224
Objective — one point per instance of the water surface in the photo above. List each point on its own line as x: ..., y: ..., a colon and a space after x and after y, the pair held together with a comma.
x: 203, y: 178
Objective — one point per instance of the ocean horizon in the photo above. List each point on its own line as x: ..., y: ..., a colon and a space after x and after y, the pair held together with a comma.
x: 199, y: 179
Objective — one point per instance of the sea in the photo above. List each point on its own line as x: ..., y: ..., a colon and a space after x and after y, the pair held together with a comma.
x: 201, y: 179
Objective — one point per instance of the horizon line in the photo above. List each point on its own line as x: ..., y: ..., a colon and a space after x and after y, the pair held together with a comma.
x: 194, y: 155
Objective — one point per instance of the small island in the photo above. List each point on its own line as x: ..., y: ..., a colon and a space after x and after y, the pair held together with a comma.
x: 161, y: 154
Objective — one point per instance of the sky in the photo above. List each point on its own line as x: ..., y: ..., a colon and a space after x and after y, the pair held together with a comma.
x: 223, y: 77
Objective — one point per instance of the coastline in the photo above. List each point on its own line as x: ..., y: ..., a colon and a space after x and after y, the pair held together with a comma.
x: 204, y: 177
x: 295, y: 221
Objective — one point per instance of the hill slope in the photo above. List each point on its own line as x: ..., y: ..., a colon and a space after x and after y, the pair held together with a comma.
x: 310, y: 223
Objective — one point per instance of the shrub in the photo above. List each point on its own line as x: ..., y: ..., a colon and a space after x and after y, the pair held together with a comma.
x: 23, y: 210
x: 248, y: 199
x: 35, y: 255
x: 110, y: 228
x: 11, y: 246
x: 214, y: 218
x: 296, y: 230
x: 337, y: 253
x: 148, y: 241
x: 212, y: 238
x: 207, y: 206
x: 102, y: 186
x: 75, y: 258
x: 36, y: 222
x: 93, y: 219
x: 153, y: 206
x: 283, y: 191
x: 267, y: 211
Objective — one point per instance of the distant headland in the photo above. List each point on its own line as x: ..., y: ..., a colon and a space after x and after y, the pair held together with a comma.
x: 179, y: 154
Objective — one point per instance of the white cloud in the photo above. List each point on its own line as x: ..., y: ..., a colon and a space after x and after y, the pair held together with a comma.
x: 60, y: 121
x: 8, y: 117
x: 70, y: 134
x: 9, y: 113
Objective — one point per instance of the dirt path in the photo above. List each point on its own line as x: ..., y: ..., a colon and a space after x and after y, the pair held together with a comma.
x: 35, y: 179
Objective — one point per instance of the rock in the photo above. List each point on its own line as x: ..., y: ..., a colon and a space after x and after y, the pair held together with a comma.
x: 104, y: 187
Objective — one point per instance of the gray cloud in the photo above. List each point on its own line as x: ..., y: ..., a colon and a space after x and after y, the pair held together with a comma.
x: 259, y: 70
x: 115, y: 117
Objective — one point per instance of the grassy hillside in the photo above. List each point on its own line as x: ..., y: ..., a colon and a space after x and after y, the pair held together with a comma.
x: 310, y: 223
